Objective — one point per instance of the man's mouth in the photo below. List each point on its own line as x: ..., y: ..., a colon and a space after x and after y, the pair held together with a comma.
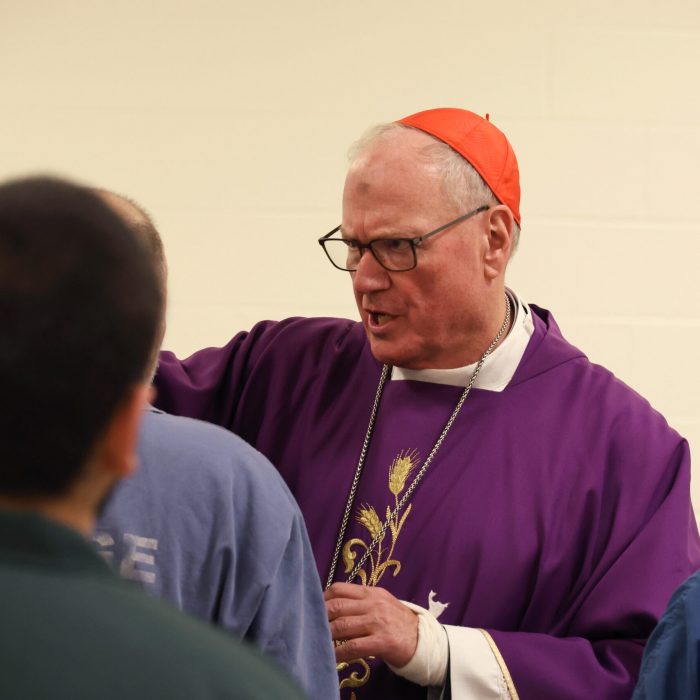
x: 378, y: 319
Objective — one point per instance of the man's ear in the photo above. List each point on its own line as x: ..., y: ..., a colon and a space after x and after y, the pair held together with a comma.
x: 500, y: 241
x: 118, y: 444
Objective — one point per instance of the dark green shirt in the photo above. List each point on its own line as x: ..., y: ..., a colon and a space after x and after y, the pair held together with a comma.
x: 70, y: 628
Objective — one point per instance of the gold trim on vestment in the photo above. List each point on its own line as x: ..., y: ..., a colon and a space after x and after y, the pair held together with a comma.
x: 502, y: 664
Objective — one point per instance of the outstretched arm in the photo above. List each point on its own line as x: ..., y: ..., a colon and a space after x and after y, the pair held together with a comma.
x: 208, y: 384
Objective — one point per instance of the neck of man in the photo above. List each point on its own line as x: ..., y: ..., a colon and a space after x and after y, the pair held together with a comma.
x: 493, y: 323
x: 77, y: 508
x: 58, y: 511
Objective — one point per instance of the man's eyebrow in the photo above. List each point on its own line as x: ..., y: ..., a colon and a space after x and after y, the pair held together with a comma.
x: 385, y: 234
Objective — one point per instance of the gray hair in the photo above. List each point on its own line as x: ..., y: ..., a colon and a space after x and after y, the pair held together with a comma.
x: 460, y: 181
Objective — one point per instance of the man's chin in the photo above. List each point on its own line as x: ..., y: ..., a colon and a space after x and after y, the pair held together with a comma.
x: 387, y: 352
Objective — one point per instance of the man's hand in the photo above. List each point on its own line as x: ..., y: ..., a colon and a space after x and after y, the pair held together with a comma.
x: 368, y: 621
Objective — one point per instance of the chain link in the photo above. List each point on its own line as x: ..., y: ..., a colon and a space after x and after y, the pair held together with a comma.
x: 356, y: 478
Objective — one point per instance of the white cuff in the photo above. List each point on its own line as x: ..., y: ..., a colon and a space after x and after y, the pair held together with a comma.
x: 428, y: 666
x: 477, y: 669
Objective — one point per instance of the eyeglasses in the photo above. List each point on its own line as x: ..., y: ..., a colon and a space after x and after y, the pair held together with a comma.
x: 393, y: 254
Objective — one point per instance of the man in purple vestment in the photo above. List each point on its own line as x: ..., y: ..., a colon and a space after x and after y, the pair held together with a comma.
x: 494, y: 515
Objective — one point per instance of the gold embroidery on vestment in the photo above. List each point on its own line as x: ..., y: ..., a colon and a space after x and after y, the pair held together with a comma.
x: 354, y: 680
x: 381, y: 559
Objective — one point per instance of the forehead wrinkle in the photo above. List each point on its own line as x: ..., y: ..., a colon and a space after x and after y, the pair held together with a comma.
x: 393, y: 189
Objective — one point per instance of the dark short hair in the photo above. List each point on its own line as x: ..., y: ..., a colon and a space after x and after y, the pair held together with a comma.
x: 145, y: 229
x: 80, y: 304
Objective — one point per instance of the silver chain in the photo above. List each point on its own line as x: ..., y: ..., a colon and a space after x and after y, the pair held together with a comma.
x: 356, y: 478
x: 416, y: 480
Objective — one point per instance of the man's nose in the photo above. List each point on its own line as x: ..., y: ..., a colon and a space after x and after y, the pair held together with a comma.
x: 370, y: 276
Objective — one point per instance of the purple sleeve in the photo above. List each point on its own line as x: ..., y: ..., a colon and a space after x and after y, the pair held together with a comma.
x: 600, y: 655
x: 208, y: 385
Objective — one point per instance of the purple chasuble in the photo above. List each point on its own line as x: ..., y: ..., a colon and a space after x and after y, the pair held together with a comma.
x: 556, y: 514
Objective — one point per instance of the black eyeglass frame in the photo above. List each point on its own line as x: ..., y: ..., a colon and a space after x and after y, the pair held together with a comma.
x: 414, y: 242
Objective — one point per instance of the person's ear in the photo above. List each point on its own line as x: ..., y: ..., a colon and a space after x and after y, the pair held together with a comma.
x: 500, y: 241
x: 119, y: 440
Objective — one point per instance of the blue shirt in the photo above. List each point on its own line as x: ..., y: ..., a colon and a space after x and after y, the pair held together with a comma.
x: 672, y: 656
x: 207, y: 523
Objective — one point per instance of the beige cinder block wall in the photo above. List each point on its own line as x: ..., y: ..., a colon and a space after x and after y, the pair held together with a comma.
x: 230, y: 121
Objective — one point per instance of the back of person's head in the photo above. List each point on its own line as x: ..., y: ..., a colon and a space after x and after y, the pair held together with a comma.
x: 140, y: 223
x: 80, y: 306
